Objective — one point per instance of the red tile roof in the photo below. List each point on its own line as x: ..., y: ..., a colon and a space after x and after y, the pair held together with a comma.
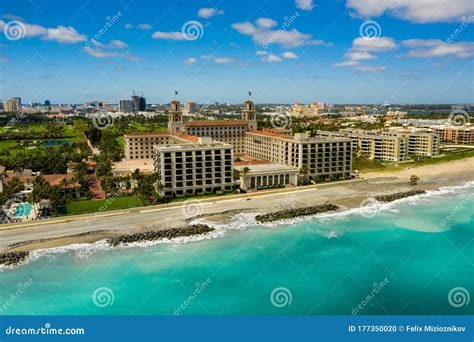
x: 270, y: 134
x: 188, y: 137
x: 252, y: 162
x: 140, y: 134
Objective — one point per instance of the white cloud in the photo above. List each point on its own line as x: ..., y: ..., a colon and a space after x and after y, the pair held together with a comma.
x: 305, y: 5
x: 118, y: 44
x: 100, y: 53
x: 359, y: 55
x: 289, y: 55
x: 263, y: 35
x: 225, y: 60
x: 460, y: 50
x: 419, y: 11
x: 144, y: 26
x: 168, y: 35
x: 61, y: 34
x: 207, y: 13
x: 262, y: 53
x: 271, y: 58
x: 12, y: 17
x: 190, y: 61
x: 349, y: 63
x: 363, y: 48
x: 128, y: 26
x: 66, y: 35
x: 114, y: 44
x: 266, y: 23
x: 368, y: 68
x: 373, y: 44
x: 421, y: 42
x: 208, y: 57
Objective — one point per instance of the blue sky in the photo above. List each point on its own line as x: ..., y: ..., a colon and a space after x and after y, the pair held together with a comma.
x: 341, y: 51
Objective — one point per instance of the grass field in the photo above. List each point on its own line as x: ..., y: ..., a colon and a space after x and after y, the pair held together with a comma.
x: 91, y: 206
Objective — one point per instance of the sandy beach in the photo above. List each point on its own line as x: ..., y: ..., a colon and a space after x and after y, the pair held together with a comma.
x: 347, y: 194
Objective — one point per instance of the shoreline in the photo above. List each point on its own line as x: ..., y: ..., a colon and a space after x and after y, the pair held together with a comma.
x: 345, y: 194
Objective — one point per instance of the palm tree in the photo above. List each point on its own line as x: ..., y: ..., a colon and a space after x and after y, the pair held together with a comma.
x: 304, y: 170
x: 244, y: 172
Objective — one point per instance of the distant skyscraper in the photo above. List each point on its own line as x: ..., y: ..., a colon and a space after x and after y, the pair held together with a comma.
x: 191, y: 107
x: 10, y: 106
x: 139, y: 103
x: 17, y: 101
x: 47, y: 103
x: 142, y: 106
x: 126, y: 106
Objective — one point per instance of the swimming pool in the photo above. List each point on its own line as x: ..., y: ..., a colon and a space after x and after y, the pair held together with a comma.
x: 22, y: 209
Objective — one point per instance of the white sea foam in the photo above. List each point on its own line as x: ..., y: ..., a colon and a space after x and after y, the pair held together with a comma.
x: 245, y: 221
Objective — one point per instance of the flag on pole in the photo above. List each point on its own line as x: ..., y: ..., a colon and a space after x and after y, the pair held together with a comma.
x: 250, y: 93
x: 176, y: 92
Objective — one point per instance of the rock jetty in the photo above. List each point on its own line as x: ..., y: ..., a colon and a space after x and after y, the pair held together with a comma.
x: 292, y: 213
x: 398, y: 195
x: 12, y: 258
x: 197, y: 229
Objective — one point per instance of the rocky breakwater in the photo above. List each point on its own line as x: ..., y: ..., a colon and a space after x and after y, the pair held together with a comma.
x: 293, y: 213
x: 399, y: 195
x: 170, y: 233
x: 12, y: 258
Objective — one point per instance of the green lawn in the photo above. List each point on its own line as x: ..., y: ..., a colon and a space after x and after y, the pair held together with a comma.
x: 7, y: 144
x: 91, y: 206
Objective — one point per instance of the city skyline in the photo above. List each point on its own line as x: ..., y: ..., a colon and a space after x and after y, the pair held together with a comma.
x: 343, y: 52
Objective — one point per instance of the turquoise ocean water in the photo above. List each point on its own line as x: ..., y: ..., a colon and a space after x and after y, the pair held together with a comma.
x: 414, y: 256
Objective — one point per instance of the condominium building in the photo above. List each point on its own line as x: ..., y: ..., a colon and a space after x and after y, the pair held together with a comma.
x: 126, y: 106
x: 299, y: 110
x: 197, y: 165
x: 455, y: 134
x: 10, y: 106
x: 393, y: 145
x: 140, y: 145
x: 190, y: 107
x: 324, y: 158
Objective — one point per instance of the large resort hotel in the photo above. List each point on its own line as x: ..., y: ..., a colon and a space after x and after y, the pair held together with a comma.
x: 201, y: 156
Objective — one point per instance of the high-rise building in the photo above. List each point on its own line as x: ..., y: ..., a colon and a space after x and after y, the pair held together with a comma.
x: 191, y: 107
x: 10, y: 106
x: 126, y: 106
x: 139, y: 103
x: 17, y: 101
